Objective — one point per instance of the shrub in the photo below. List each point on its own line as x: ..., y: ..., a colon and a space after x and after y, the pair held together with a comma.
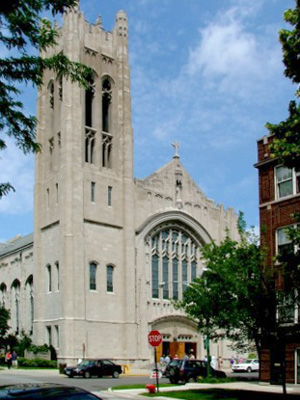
x: 36, y: 363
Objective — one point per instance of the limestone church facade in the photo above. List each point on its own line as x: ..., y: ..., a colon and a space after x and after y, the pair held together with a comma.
x: 108, y: 251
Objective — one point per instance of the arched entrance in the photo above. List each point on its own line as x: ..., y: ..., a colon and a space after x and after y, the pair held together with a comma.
x: 180, y: 336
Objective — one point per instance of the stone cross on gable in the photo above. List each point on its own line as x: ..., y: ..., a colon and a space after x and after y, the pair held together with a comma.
x: 176, y: 146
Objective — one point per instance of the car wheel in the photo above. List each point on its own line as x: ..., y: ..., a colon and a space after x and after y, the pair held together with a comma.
x: 87, y: 375
x: 116, y: 374
x: 172, y: 372
x: 249, y: 369
x: 71, y: 376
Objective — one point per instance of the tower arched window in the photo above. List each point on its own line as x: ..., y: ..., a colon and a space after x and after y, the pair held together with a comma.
x: 93, y: 275
x: 110, y: 278
x: 90, y: 132
x: 89, y: 99
x: 106, y: 105
x: 175, y: 259
x: 106, y: 123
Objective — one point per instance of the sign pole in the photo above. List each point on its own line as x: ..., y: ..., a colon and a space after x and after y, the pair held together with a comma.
x: 156, y: 369
x: 155, y: 339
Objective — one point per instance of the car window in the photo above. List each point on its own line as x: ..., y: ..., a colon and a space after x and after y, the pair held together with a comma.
x: 174, y: 363
x: 106, y: 362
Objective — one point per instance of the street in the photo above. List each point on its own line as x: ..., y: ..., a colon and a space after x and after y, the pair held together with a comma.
x: 13, y: 376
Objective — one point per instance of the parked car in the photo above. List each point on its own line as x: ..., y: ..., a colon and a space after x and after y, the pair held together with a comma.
x: 184, y: 370
x: 246, y: 366
x: 89, y: 368
x: 49, y: 391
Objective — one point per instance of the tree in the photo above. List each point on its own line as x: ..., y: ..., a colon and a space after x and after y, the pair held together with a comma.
x: 236, y: 296
x: 286, y: 142
x: 4, y: 327
x: 23, y: 30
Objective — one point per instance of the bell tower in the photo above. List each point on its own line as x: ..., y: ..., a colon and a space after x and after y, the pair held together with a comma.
x: 84, y: 195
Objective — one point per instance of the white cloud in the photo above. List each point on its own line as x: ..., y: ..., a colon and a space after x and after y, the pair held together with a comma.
x: 17, y: 169
x: 231, y: 55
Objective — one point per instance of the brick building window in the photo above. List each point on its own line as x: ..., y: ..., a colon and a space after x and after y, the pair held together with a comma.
x: 287, y: 182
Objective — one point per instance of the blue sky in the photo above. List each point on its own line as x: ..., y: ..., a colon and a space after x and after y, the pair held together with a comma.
x: 207, y: 74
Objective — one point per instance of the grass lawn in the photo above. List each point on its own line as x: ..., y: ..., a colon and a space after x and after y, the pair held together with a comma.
x: 219, y: 394
x: 140, y: 386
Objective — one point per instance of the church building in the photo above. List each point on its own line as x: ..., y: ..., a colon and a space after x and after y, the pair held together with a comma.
x: 109, y: 251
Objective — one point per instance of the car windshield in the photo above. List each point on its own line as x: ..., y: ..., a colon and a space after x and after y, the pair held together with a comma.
x: 174, y: 363
x: 85, y: 363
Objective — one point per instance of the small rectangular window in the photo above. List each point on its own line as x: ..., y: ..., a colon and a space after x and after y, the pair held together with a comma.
x: 93, y: 187
x: 109, y: 278
x: 49, y: 278
x: 56, y: 186
x: 109, y: 196
x: 48, y: 198
x: 284, y: 244
x: 57, y: 275
x: 93, y: 270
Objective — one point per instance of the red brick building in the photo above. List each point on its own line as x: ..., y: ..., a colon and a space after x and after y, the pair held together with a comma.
x: 279, y: 199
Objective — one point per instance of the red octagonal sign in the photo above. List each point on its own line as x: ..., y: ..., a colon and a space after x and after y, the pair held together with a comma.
x: 155, y: 338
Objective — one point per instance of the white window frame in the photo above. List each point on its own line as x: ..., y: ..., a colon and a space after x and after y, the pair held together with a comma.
x: 293, y: 178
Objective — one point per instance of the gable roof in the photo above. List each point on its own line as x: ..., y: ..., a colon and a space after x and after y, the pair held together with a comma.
x: 15, y: 244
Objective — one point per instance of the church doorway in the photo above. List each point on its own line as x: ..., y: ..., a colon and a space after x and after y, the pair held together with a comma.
x: 176, y: 349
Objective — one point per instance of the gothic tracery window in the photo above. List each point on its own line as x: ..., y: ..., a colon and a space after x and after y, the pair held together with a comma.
x: 106, y: 105
x: 174, y: 261
x: 107, y: 137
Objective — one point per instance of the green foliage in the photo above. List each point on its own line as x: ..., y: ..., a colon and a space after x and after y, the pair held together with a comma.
x: 234, y: 298
x: 23, y: 343
x: 38, y: 349
x: 25, y: 29
x: 36, y: 363
x: 286, y: 144
x: 4, y: 327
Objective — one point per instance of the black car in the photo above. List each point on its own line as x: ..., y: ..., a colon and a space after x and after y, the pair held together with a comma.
x: 89, y: 368
x: 184, y: 370
x: 44, y: 391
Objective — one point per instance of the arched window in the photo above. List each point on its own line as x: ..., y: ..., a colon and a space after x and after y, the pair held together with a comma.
x: 29, y: 304
x: 15, y: 309
x: 51, y: 94
x: 57, y: 275
x: 49, y: 278
x: 89, y: 99
x: 3, y: 293
x: 60, y: 88
x: 93, y: 273
x: 90, y: 133
x: 109, y: 278
x: 106, y: 105
x: 175, y: 259
x: 106, y: 123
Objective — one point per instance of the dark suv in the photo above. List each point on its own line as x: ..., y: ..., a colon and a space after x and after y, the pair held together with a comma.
x: 89, y: 368
x: 184, y: 370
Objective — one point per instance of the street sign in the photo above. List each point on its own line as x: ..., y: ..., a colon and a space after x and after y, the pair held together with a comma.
x: 155, y: 338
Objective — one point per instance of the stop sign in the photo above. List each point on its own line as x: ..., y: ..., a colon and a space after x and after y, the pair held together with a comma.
x: 155, y: 338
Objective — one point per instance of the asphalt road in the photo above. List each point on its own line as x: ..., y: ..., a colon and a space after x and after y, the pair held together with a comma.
x: 94, y: 384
